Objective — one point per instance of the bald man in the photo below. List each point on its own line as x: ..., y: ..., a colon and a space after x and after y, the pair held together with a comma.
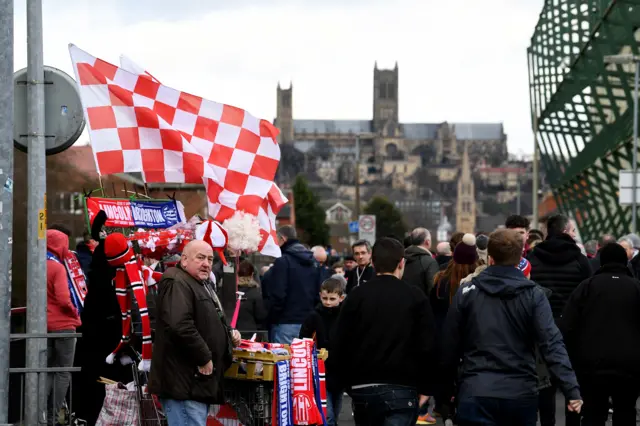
x: 193, y: 344
x: 320, y: 255
x: 443, y: 254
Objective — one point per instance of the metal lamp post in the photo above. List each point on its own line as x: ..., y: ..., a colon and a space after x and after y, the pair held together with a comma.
x: 625, y: 60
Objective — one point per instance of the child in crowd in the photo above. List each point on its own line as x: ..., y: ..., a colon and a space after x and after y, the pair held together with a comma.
x: 319, y: 326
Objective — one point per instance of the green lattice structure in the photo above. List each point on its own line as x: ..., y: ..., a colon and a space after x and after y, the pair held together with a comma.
x: 584, y: 108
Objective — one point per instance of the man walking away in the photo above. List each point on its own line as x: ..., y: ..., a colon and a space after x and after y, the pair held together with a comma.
x: 558, y: 265
x: 292, y: 288
x: 420, y: 267
x: 520, y: 224
x: 383, y: 344
x: 193, y: 345
x: 363, y: 271
x: 606, y: 309
x: 493, y: 325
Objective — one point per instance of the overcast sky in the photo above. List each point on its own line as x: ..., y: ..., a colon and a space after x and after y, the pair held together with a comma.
x: 459, y: 60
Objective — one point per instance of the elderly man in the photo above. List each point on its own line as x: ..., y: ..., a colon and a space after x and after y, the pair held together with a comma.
x: 443, y: 253
x: 193, y: 343
x: 320, y: 255
x: 420, y: 267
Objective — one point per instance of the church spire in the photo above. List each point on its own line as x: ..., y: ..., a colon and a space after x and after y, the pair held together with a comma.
x: 466, y: 203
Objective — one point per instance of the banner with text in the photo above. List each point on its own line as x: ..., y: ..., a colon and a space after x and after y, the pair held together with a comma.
x: 136, y: 213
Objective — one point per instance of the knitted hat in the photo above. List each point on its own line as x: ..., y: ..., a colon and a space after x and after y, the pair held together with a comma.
x: 613, y: 253
x: 215, y: 235
x: 465, y: 252
x: 482, y: 241
x: 117, y: 249
x: 525, y: 267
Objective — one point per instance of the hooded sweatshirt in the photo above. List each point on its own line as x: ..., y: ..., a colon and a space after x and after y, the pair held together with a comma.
x: 61, y: 314
x: 292, y: 285
x: 420, y: 268
x: 558, y: 264
x: 493, y: 325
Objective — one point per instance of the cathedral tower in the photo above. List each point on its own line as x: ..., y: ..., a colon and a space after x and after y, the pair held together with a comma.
x: 284, y: 114
x: 466, y: 204
x: 385, y: 97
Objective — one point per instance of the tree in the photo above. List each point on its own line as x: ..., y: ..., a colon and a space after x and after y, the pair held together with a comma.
x: 389, y: 220
x: 310, y: 217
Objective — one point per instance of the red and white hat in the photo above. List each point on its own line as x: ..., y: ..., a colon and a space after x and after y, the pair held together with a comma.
x: 215, y: 235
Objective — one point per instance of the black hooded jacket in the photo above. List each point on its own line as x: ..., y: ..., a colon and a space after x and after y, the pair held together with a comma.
x: 493, y: 325
x: 420, y: 268
x: 559, y: 265
x: 601, y: 324
x: 292, y: 286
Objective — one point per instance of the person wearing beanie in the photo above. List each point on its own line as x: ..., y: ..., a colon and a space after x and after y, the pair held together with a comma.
x: 606, y: 309
x: 492, y: 327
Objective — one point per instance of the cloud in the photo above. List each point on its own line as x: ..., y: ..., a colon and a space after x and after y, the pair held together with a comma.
x: 459, y: 60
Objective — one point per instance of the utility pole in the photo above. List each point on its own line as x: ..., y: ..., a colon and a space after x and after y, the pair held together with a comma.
x: 518, y: 209
x: 6, y: 197
x: 536, y: 171
x: 357, y: 177
x: 35, y: 390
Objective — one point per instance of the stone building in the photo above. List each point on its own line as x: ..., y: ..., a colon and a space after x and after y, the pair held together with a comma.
x: 398, y: 156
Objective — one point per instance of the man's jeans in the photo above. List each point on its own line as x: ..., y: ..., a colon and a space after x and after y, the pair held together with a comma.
x: 284, y: 333
x: 334, y: 406
x: 185, y: 413
x: 60, y: 353
x: 385, y: 405
x: 486, y: 411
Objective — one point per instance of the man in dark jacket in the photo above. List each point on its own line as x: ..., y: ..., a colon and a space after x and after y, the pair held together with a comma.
x: 193, y: 345
x: 606, y: 309
x: 420, y: 266
x: 493, y: 325
x: 291, y: 288
x: 363, y: 271
x: 383, y: 343
x: 558, y: 264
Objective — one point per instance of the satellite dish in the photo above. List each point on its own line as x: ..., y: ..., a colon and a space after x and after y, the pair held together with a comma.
x: 64, y: 116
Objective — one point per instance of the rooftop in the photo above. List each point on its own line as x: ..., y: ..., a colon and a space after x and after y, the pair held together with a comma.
x: 414, y: 131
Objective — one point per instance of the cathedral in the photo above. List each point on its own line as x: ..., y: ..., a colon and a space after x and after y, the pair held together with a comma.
x: 410, y: 159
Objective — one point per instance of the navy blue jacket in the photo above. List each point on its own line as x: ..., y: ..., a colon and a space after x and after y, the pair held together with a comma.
x: 292, y: 286
x: 493, y: 324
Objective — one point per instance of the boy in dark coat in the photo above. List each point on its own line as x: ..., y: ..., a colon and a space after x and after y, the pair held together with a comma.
x: 319, y: 326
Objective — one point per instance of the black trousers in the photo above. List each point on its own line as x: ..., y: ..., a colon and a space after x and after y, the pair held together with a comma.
x: 547, y: 409
x: 596, y: 392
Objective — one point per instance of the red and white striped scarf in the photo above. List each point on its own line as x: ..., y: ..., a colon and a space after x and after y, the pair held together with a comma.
x: 130, y: 276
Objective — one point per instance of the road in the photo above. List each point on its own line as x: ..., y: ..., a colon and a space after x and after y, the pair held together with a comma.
x: 346, y: 420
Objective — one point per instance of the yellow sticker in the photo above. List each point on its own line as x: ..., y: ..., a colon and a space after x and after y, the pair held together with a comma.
x: 42, y: 224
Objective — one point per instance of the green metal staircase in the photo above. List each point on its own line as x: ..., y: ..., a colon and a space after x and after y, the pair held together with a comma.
x: 583, y: 108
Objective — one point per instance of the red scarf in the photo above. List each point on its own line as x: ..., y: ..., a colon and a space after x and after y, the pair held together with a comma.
x: 130, y: 276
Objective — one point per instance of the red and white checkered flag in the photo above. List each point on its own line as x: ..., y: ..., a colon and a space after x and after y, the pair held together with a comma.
x: 266, y: 210
x: 138, y: 125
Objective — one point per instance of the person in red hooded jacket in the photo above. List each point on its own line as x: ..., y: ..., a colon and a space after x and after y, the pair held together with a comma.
x: 62, y: 317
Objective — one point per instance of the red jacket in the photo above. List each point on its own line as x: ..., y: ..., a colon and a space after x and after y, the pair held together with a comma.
x: 61, y: 314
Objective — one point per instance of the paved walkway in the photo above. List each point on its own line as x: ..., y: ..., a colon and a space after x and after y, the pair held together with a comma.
x: 346, y: 420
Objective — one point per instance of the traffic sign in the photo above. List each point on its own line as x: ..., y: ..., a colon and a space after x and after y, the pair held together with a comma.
x: 353, y: 227
x: 367, y: 228
x: 64, y: 117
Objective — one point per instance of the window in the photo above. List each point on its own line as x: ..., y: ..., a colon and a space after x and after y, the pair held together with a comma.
x: 387, y: 90
x: 383, y: 90
x: 286, y: 101
x: 69, y: 203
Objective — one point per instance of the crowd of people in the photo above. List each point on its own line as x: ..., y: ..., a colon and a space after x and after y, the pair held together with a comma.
x: 483, y: 330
